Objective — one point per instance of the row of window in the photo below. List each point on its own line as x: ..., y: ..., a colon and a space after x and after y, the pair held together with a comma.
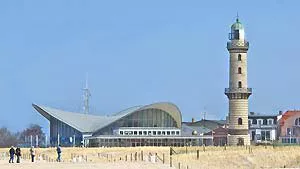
x: 258, y: 121
x: 149, y: 133
x: 265, y: 135
x: 238, y: 95
x: 261, y: 121
x: 289, y: 140
x: 143, y: 118
x: 239, y: 70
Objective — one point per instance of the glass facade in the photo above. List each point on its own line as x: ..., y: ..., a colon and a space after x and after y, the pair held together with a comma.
x: 143, y: 118
x: 146, y: 141
x: 65, y: 133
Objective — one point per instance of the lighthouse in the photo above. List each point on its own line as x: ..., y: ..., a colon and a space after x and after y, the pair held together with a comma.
x: 238, y: 91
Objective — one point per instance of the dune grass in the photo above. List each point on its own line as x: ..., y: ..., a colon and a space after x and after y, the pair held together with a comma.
x: 211, y: 157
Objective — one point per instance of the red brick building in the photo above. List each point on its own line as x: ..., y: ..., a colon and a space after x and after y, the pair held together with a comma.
x: 219, y: 136
x: 290, y: 127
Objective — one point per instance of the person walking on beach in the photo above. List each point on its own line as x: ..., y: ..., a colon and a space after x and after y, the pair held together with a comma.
x: 11, y: 154
x: 58, y: 150
x: 32, y: 153
x: 18, y: 154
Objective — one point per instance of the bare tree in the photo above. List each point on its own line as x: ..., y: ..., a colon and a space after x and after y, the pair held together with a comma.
x: 30, y: 134
x: 7, y: 138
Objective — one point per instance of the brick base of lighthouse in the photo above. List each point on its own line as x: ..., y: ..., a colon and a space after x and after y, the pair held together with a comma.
x: 233, y: 140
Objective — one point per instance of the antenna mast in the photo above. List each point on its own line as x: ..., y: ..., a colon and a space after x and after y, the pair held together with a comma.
x: 86, y: 97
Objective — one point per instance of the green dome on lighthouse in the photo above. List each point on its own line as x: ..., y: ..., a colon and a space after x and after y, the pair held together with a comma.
x: 237, y: 25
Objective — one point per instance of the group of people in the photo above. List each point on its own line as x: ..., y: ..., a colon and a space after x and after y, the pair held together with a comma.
x: 17, y: 152
x: 13, y: 152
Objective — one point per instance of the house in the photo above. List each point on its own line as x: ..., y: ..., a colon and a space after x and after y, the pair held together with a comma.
x: 290, y: 127
x: 262, y: 127
x: 219, y: 136
x: 215, y: 128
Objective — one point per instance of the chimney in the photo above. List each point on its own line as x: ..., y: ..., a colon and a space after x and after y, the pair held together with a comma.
x: 193, y: 120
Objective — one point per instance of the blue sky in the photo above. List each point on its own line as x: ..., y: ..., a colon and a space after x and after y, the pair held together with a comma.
x: 140, y: 52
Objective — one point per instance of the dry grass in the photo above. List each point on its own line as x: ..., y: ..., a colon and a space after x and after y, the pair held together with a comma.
x: 212, y: 157
x: 240, y: 157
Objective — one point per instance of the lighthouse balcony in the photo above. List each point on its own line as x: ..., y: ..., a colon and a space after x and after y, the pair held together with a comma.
x: 238, y: 90
x: 238, y: 44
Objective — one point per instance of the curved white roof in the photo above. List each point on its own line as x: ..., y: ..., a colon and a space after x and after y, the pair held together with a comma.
x: 86, y: 123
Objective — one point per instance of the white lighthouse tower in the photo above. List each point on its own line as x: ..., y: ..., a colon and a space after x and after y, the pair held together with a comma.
x: 238, y: 91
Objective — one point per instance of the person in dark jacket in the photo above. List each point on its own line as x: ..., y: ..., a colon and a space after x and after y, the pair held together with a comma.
x: 11, y: 154
x: 58, y: 150
x: 18, y: 154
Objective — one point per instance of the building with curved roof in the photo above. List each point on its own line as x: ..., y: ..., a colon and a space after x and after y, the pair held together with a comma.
x: 155, y: 124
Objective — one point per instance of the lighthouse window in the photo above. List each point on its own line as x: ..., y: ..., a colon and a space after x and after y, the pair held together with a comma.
x: 239, y: 70
x: 239, y: 57
x: 240, y: 84
x: 236, y: 34
x: 240, y: 121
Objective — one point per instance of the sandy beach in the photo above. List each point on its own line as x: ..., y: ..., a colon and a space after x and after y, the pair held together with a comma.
x: 68, y: 165
x: 75, y: 158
